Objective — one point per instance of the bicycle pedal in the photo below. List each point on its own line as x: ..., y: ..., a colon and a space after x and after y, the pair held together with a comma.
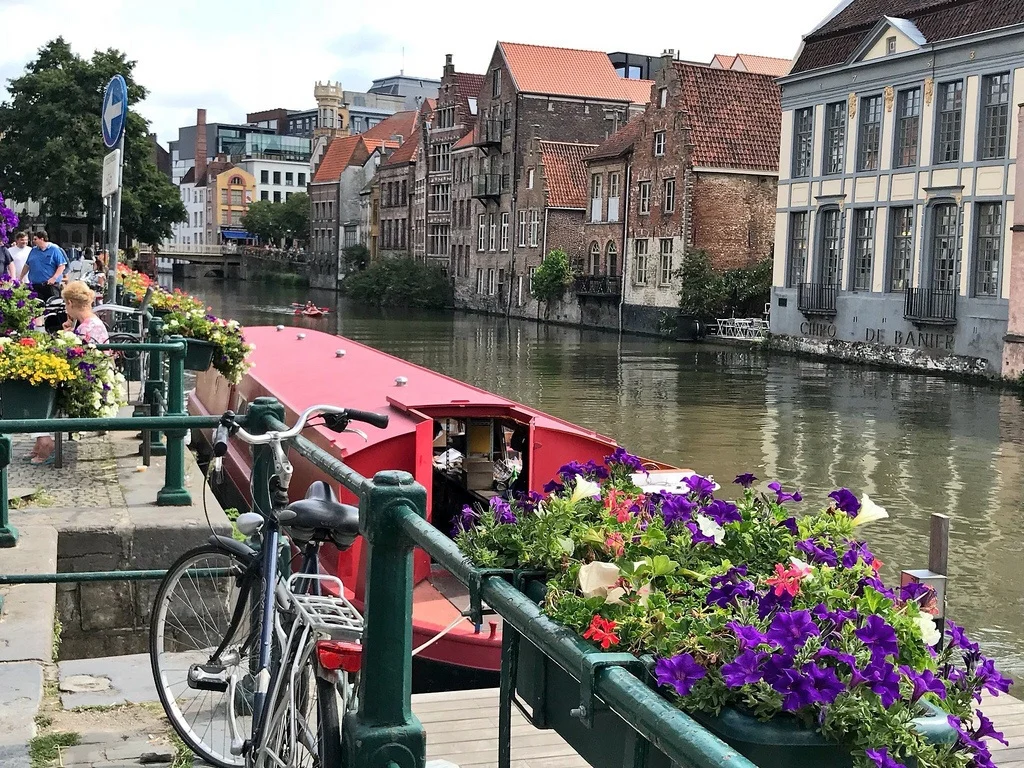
x: 208, y: 677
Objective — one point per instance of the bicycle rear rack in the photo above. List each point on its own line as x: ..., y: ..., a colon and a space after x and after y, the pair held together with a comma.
x: 332, y: 615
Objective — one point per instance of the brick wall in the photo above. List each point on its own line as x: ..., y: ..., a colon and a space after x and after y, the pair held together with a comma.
x: 324, y: 261
x: 734, y: 217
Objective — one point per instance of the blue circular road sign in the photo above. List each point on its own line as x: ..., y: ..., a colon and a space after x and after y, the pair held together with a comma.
x: 114, y: 113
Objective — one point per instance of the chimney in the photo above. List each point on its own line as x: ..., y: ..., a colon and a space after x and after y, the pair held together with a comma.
x: 201, y: 147
x: 449, y: 68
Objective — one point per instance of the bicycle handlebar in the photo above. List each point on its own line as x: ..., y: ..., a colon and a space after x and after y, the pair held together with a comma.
x: 228, y: 426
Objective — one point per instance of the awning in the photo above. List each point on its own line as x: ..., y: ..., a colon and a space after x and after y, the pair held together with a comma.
x: 234, y: 234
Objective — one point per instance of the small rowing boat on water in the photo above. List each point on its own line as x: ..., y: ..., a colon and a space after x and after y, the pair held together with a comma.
x: 308, y: 310
x: 463, y: 444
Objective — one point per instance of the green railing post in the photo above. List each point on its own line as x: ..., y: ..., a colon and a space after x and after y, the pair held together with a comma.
x: 258, y: 417
x: 384, y: 733
x: 155, y: 386
x: 8, y: 533
x: 174, y: 492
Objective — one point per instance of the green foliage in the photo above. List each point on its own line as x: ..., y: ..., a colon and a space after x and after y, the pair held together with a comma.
x: 708, y: 293
x: 401, y: 282
x: 356, y: 257
x: 44, y: 749
x: 275, y: 221
x: 294, y: 216
x: 52, y: 151
x: 552, y: 277
x: 259, y: 220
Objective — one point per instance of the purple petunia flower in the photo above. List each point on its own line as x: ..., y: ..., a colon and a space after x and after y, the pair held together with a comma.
x: 798, y: 690
x: 991, y: 679
x: 680, y: 672
x: 465, y: 520
x: 882, y: 679
x: 622, y: 458
x: 676, y: 508
x: 771, y: 602
x: 699, y: 486
x: 791, y: 630
x: 553, y: 486
x: 845, y: 501
x: 986, y: 730
x: 837, y: 617
x: 876, y: 584
x: 958, y: 638
x: 781, y: 496
x: 502, y: 511
x: 881, y: 758
x: 746, y: 479
x: 790, y: 525
x: 729, y: 588
x: 857, y: 551
x: 924, y: 682
x: 749, y: 637
x: 745, y: 669
x: 723, y: 512
x: 825, y: 681
x: 879, y: 637
x: 914, y: 591
x: 529, y: 501
x: 817, y: 554
x: 843, y: 658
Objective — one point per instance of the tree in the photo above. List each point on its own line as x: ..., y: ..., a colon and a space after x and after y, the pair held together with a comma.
x: 708, y: 294
x: 552, y: 277
x: 261, y: 220
x: 52, y: 151
x: 294, y: 216
x: 274, y: 221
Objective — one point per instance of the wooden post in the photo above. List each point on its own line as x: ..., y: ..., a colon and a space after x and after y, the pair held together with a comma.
x: 938, y: 547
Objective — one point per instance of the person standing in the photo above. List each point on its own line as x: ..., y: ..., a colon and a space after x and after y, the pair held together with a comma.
x: 45, y: 266
x: 19, y: 252
x: 6, y: 261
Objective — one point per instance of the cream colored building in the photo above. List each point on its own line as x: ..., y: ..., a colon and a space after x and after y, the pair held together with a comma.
x: 896, y: 183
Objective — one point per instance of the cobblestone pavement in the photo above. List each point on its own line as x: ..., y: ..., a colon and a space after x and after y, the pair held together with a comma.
x: 87, y: 479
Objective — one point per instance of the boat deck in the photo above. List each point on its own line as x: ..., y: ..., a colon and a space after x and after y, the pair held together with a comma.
x: 1007, y: 713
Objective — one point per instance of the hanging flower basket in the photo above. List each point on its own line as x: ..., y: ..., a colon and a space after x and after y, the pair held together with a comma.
x: 22, y: 400
x: 199, y: 354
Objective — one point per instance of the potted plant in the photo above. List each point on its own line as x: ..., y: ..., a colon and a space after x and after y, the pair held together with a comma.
x: 96, y: 389
x: 18, y: 305
x: 210, y: 341
x: 773, y: 629
x: 29, y: 377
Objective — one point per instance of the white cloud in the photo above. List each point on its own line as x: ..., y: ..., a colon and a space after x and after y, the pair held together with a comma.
x: 231, y: 57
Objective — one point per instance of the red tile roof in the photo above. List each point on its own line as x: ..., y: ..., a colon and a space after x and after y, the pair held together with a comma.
x: 723, y: 60
x: 762, y: 65
x: 619, y: 143
x: 407, y: 152
x: 468, y: 85
x: 466, y: 141
x: 565, y: 174
x: 398, y: 124
x: 735, y: 117
x: 336, y: 159
x: 834, y: 41
x: 565, y: 72
x: 350, y: 150
x: 639, y: 91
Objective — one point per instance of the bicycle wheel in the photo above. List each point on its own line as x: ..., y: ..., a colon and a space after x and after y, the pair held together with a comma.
x: 302, y: 727
x: 192, y: 616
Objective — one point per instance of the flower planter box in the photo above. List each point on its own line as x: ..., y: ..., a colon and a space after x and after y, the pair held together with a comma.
x: 199, y: 354
x: 21, y: 400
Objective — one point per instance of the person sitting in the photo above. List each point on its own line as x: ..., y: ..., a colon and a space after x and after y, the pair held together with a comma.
x: 78, y: 301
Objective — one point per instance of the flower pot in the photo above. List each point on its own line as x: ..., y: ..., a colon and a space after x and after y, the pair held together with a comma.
x: 199, y: 354
x: 21, y: 400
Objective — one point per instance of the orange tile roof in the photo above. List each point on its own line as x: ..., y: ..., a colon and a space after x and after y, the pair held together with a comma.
x: 336, y: 159
x: 564, y: 72
x: 398, y: 124
x: 735, y: 117
x: 349, y: 150
x: 639, y: 91
x: 565, y: 174
x: 466, y: 141
x: 723, y: 60
x: 619, y: 143
x: 405, y: 153
x: 763, y: 65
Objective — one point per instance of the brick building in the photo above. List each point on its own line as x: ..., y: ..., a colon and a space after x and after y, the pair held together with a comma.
x: 703, y: 175
x: 551, y: 94
x: 400, y: 217
x: 463, y: 228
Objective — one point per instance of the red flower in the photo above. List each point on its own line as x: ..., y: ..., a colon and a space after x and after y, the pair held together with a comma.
x: 876, y: 564
x: 618, y: 504
x: 27, y: 342
x: 785, y: 580
x: 602, y: 632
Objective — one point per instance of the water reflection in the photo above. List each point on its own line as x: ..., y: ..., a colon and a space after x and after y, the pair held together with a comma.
x: 916, y: 444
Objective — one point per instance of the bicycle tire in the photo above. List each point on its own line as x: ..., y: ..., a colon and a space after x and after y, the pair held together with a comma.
x: 213, y: 743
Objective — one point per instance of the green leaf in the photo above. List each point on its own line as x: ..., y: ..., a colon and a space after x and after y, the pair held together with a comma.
x: 662, y: 565
x: 566, y: 544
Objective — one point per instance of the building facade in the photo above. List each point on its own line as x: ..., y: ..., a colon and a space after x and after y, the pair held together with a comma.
x: 229, y: 192
x: 192, y: 231
x: 896, y: 188
x: 277, y: 180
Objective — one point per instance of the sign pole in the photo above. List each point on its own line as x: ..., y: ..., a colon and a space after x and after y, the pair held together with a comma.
x: 113, y: 122
x: 115, y: 227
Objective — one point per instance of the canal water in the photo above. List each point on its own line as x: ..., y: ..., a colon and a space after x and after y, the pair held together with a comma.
x: 915, y: 443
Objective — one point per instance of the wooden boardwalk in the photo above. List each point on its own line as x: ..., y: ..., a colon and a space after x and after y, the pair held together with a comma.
x: 462, y: 728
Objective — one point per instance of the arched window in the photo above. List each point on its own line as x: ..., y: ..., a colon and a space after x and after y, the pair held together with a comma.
x: 611, y: 260
x: 236, y: 181
x: 595, y: 259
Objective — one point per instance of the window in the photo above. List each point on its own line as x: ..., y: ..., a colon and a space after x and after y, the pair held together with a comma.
x: 835, y: 138
x: 521, y: 230
x: 901, y: 233
x: 662, y: 97
x: 481, y: 232
x: 665, y: 271
x: 236, y: 181
x: 289, y: 179
x: 287, y: 195
x: 995, y: 117
x: 224, y: 197
x: 943, y: 242
x: 236, y: 197
x: 797, y: 248
x: 988, y: 249
x: 596, y: 203
x: 302, y: 179
x: 908, y: 128
x: 445, y: 117
x: 479, y: 280
x: 531, y: 272
x: 277, y: 177
x: 437, y: 240
x: 594, y: 260
x: 890, y: 45
x: 659, y: 143
x: 506, y: 117
x: 950, y: 122
x: 529, y: 178
x: 640, y: 261
x: 440, y: 198
x: 870, y: 139
x: 669, y: 202
x: 611, y: 255
x: 403, y: 193
x: 495, y: 83
x: 440, y: 158
x: 831, y: 243
x: 613, y: 185
x: 803, y: 141
x: 264, y: 195
x: 504, y: 230
x: 492, y: 233
x: 534, y: 228
x: 595, y: 186
x: 863, y: 248
x: 490, y: 282
x: 264, y: 177
x: 645, y: 196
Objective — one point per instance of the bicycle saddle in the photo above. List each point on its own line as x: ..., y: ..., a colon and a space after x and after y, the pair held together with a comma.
x: 321, y: 517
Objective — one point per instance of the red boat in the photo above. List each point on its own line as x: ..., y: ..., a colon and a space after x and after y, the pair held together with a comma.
x: 460, y: 442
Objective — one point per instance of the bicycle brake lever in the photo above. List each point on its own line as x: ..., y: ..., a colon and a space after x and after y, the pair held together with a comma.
x: 359, y: 432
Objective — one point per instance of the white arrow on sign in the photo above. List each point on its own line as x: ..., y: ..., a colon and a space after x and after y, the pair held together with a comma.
x: 111, y: 111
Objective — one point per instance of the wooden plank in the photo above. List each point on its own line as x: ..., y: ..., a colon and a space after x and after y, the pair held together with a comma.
x: 938, y: 545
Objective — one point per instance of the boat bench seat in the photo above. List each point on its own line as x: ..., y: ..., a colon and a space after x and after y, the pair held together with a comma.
x: 322, y: 517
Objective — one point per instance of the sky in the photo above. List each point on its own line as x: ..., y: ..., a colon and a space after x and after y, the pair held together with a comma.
x: 235, y: 57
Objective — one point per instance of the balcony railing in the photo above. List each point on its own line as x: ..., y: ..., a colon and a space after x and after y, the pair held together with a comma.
x: 597, y: 285
x: 490, y: 132
x: 930, y: 305
x: 817, y: 298
x: 487, y: 185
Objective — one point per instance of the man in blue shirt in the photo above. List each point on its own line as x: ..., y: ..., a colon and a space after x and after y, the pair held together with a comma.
x: 45, y: 265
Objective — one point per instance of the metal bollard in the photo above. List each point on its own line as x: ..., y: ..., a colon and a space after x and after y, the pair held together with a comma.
x: 174, y: 492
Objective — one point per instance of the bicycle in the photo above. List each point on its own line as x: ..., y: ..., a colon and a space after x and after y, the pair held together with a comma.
x: 270, y: 661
